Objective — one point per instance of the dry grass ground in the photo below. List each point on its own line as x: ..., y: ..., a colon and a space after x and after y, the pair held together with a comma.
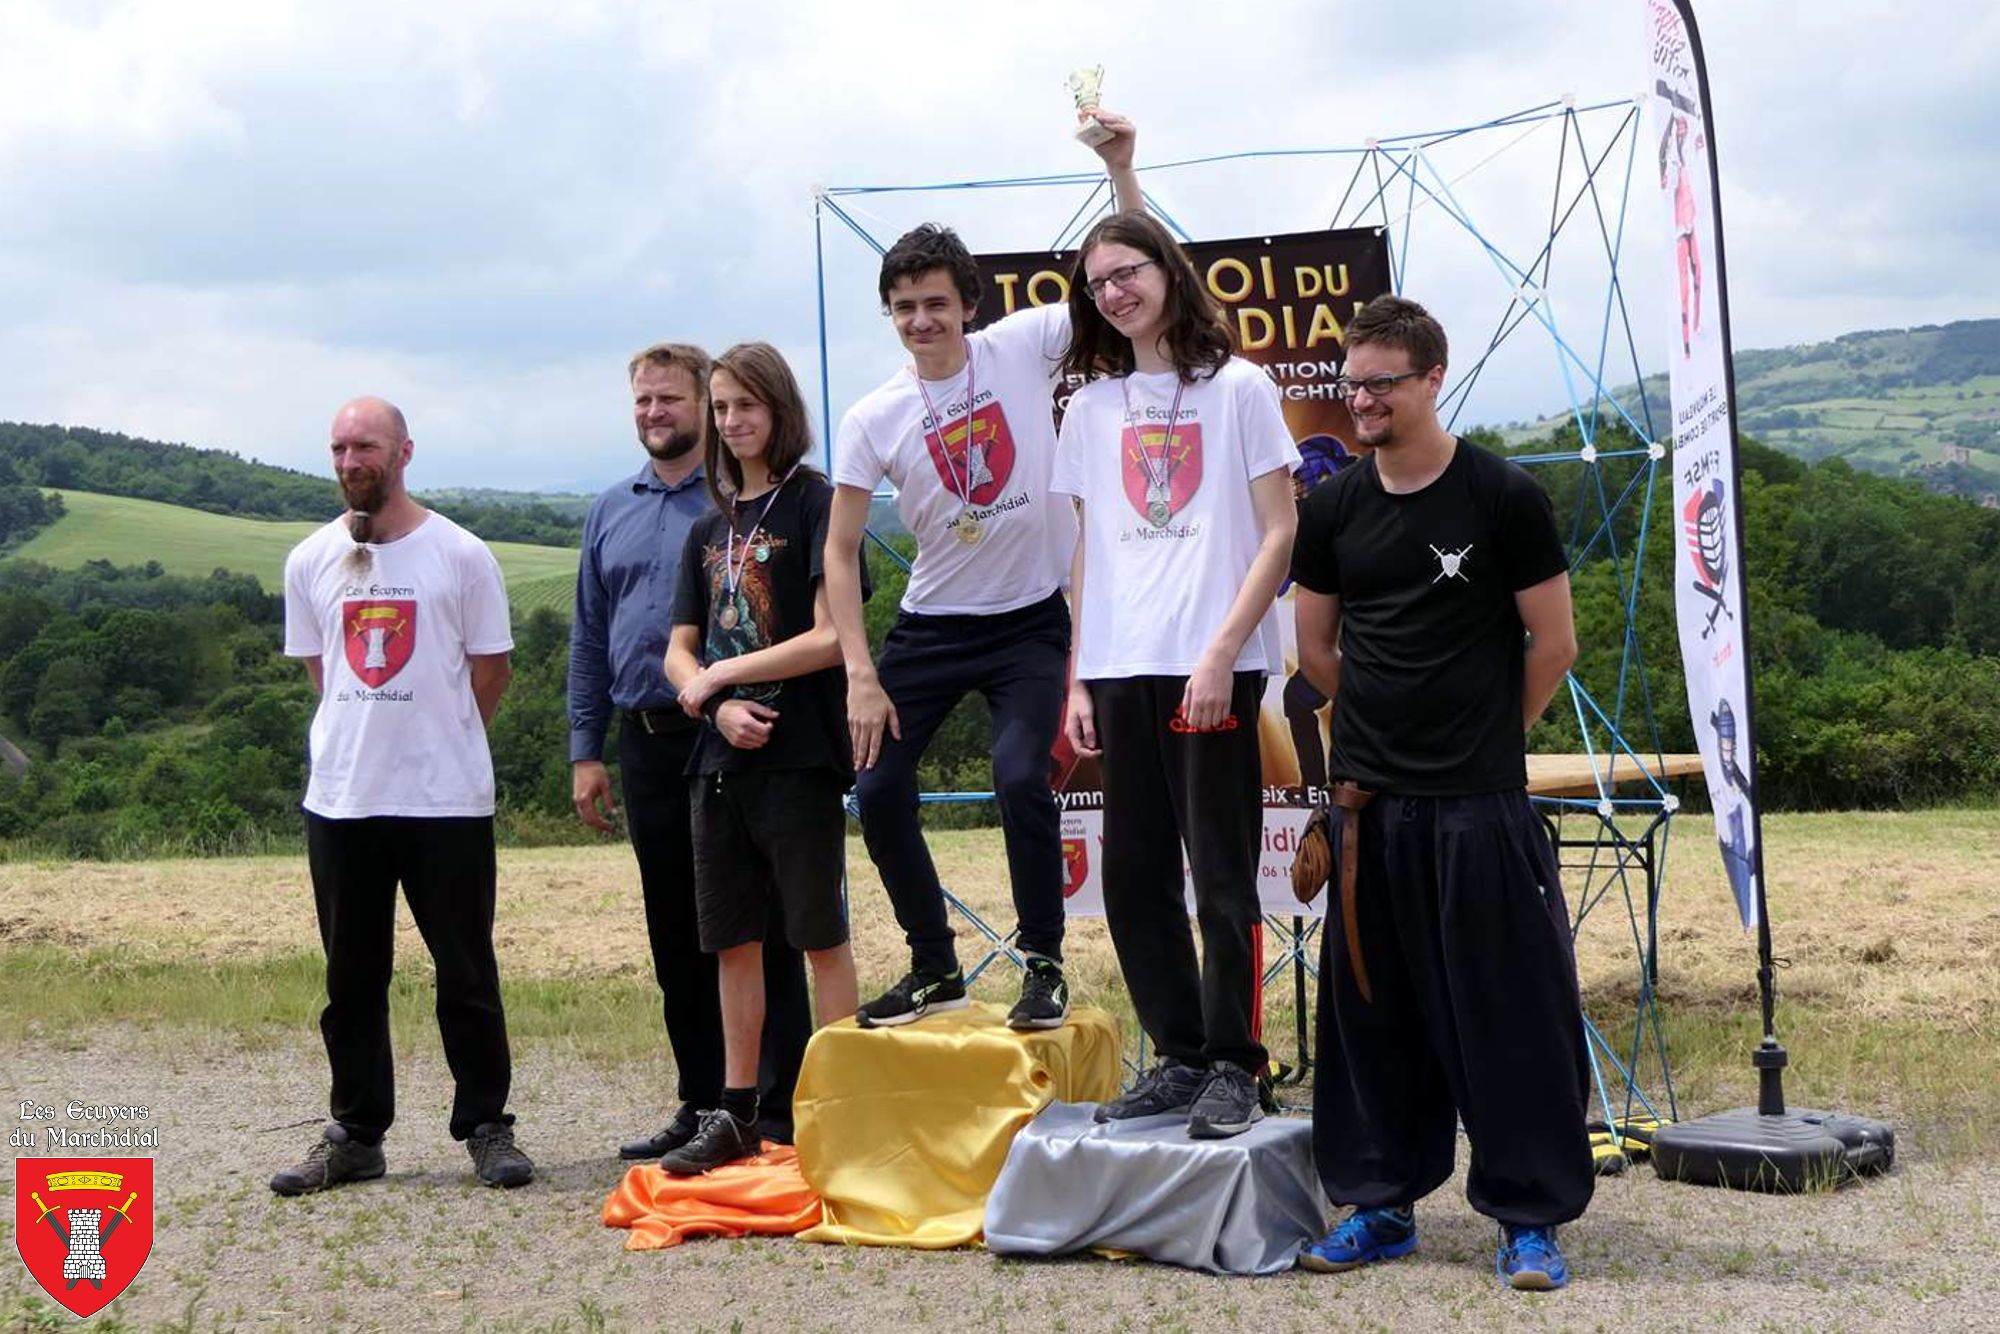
x: 190, y: 985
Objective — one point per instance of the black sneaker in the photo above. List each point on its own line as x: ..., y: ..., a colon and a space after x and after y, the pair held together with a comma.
x: 722, y: 1139
x: 334, y: 1160
x: 1044, y: 999
x: 1226, y: 1105
x: 918, y: 994
x: 670, y: 1137
x: 496, y: 1159
x: 1169, y: 1086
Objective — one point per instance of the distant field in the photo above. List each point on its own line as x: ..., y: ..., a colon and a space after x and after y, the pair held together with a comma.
x: 192, y: 542
x: 1898, y: 402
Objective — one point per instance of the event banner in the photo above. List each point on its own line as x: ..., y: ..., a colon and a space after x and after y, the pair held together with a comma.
x: 1288, y: 300
x: 1708, y: 564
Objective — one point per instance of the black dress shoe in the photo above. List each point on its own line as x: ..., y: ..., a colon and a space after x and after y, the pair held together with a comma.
x: 674, y: 1134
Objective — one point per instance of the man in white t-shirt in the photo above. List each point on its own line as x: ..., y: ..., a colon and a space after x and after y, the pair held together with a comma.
x: 401, y: 618
x: 965, y: 433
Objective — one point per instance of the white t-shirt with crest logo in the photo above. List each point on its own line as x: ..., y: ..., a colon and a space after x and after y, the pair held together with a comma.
x: 1170, y: 530
x: 1025, y: 541
x: 397, y: 731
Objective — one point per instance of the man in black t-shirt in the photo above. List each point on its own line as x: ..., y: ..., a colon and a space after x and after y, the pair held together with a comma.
x: 1450, y: 993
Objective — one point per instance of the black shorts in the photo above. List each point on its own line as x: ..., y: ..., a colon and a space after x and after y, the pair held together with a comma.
x: 759, y: 834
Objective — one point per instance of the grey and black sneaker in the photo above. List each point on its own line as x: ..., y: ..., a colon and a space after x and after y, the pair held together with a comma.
x: 1169, y: 1086
x: 496, y: 1159
x: 918, y: 994
x: 1226, y: 1105
x: 1044, y: 999
x: 668, y: 1138
x: 334, y: 1160
x: 722, y: 1139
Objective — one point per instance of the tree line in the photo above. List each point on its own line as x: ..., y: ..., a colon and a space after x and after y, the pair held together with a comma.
x: 72, y: 458
x: 160, y: 717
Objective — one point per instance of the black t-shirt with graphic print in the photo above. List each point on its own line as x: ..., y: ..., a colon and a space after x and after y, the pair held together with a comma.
x: 1431, y: 642
x: 773, y: 601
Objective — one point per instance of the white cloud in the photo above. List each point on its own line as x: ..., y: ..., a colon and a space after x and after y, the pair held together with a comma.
x: 226, y: 217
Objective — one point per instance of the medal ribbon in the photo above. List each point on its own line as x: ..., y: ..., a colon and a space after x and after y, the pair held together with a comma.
x: 1163, y: 479
x: 732, y: 568
x: 962, y: 492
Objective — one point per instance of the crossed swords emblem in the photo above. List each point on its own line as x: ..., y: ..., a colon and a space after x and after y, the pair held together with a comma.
x: 49, y: 1213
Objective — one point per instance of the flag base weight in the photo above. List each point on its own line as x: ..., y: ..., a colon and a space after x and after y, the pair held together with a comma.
x: 1797, y: 1150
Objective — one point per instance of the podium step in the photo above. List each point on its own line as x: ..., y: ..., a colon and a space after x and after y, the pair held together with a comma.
x: 1244, y: 1205
x: 903, y: 1130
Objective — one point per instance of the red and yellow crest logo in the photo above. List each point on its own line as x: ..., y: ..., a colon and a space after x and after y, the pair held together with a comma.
x: 84, y: 1226
x: 982, y: 469
x: 1076, y: 865
x: 1160, y: 476
x: 380, y: 637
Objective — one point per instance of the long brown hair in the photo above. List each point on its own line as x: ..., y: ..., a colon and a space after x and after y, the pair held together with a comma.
x: 762, y: 370
x: 1197, y: 337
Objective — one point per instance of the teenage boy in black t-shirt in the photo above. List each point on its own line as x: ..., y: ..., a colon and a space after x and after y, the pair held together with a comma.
x: 1433, y: 596
x: 753, y: 650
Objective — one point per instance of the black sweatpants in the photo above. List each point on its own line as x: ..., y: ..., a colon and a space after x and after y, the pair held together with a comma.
x: 1166, y: 788
x: 1019, y: 661
x: 1475, y: 1016
x: 653, y: 778
x: 445, y: 866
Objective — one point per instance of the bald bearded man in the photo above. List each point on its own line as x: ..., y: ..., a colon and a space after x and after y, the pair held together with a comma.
x: 401, y: 618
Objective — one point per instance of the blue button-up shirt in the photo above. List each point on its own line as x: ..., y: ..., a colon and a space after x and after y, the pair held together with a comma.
x: 625, y: 585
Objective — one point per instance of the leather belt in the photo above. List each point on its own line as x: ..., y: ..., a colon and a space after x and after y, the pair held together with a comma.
x: 1351, y: 798
x: 669, y: 721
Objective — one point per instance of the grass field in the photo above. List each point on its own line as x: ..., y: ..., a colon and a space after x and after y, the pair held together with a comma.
x: 1816, y: 410
x: 193, y: 542
x: 195, y: 984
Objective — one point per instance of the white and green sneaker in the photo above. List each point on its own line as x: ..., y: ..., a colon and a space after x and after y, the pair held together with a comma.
x: 918, y: 994
x: 1044, y: 999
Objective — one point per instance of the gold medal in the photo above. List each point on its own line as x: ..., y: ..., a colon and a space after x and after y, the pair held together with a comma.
x: 968, y: 530
x: 726, y: 618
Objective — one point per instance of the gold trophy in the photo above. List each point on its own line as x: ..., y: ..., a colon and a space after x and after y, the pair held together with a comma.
x: 1084, y: 85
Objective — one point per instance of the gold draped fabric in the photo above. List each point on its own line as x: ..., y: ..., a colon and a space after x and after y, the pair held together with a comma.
x: 903, y: 1131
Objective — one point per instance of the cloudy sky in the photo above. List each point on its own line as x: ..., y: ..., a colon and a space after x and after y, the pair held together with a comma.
x: 223, y: 218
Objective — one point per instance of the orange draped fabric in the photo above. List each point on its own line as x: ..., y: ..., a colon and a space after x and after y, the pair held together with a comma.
x: 763, y: 1195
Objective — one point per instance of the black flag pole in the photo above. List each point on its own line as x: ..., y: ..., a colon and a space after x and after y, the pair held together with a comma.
x: 1767, y: 1147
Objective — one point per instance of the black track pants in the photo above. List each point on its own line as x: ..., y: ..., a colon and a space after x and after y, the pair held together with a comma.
x: 1166, y: 789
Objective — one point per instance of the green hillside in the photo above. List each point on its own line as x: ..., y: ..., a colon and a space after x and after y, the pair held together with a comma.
x: 1921, y: 403
x: 192, y: 542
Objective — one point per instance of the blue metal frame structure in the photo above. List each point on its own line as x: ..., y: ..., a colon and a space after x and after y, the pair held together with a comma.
x: 1622, y: 847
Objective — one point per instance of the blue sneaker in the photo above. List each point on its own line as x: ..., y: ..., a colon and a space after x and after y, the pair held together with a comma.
x: 1363, y: 1237
x: 1529, y: 1259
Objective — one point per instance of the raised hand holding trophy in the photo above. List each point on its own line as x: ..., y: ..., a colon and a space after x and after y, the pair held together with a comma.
x: 1084, y: 85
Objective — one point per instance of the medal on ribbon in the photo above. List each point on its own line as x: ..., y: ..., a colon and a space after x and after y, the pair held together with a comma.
x: 1159, y: 508
x: 965, y: 527
x: 750, y: 547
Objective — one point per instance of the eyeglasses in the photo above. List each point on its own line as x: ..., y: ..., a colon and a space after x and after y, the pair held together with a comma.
x: 1378, y: 386
x: 1120, y: 277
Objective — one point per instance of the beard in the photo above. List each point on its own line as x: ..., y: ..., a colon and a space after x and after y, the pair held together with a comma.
x: 678, y: 444
x: 365, y: 492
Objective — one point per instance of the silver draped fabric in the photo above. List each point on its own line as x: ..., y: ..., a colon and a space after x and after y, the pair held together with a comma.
x: 1244, y: 1205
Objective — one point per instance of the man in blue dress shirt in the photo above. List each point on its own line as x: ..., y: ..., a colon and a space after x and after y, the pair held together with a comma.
x: 618, y: 641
